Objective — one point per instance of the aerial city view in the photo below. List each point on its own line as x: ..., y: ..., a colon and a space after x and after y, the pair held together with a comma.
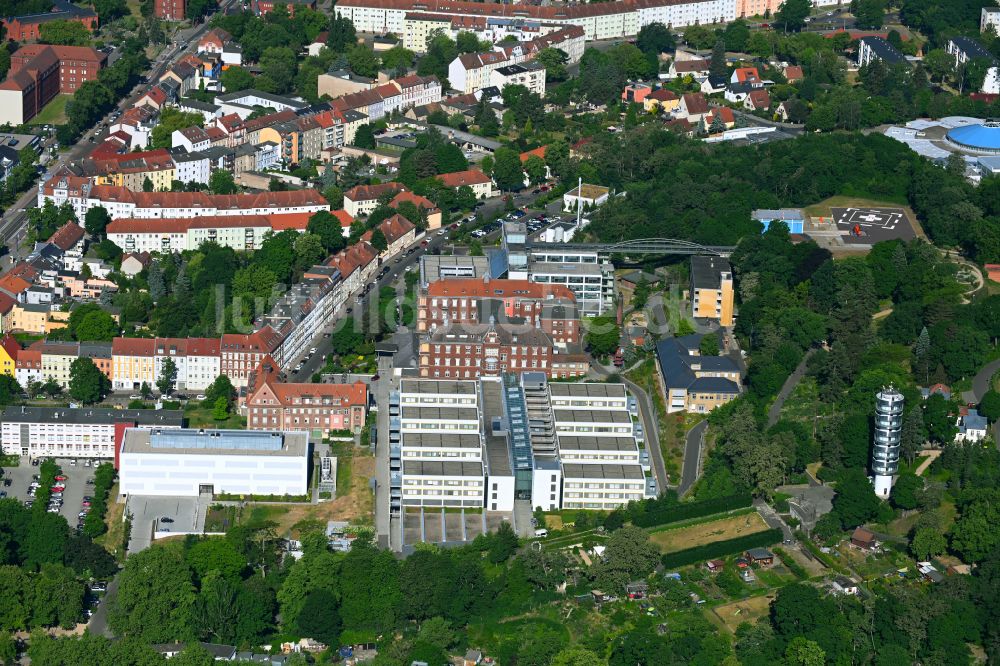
x: 519, y: 333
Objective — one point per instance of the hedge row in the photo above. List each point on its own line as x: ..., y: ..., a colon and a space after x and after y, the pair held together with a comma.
x: 797, y: 570
x: 658, y: 512
x: 721, y: 548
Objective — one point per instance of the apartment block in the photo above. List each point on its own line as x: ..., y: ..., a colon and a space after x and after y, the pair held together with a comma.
x: 448, y: 436
x: 438, y: 457
x: 61, y: 432
x: 712, y: 294
x: 693, y: 382
x: 39, y: 72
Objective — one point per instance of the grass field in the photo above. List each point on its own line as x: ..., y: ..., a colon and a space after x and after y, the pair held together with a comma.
x: 201, y: 417
x: 680, y: 538
x: 54, y: 113
x: 734, y: 614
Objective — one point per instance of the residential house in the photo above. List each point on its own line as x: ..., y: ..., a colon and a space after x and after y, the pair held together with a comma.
x: 636, y: 92
x: 470, y: 72
x: 757, y: 100
x: 479, y: 182
x: 714, y: 84
x: 725, y: 116
x: 695, y: 67
x: 134, y: 263
x: 424, y: 204
x: 9, y: 348
x: 363, y: 199
x: 693, y: 107
x: 793, y: 73
x: 972, y: 426
x: 661, y: 101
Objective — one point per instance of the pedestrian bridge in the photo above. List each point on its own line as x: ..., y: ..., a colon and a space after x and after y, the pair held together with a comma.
x: 636, y: 246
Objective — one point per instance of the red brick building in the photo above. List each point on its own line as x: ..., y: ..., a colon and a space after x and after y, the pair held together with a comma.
x: 549, y: 308
x: 273, y: 405
x: 39, y: 72
x: 27, y: 28
x: 475, y: 350
x: 169, y: 10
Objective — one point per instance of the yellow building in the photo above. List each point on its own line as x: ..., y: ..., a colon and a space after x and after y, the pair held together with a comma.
x: 712, y: 289
x: 661, y: 100
x: 38, y: 319
x: 57, y: 358
x: 418, y: 28
x: 8, y: 355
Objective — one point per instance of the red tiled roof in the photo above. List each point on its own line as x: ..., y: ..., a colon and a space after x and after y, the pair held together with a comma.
x: 744, y: 74
x: 6, y: 303
x: 723, y: 112
x: 133, y: 347
x: 265, y: 341
x: 352, y: 258
x: 342, y: 395
x: 370, y: 192
x: 460, y: 178
x: 662, y: 95
x: 10, y: 345
x: 221, y: 202
x: 478, y: 60
x: 537, y: 152
x: 67, y: 236
x: 759, y: 99
x: 393, y: 229
x: 476, y: 288
x: 696, y: 65
x: 695, y: 103
x: 793, y: 73
x: 344, y: 217
x: 415, y: 199
x: 13, y: 285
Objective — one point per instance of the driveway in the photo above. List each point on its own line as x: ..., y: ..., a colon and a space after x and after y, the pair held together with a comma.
x: 786, y: 389
x: 772, y: 519
x: 184, y: 513
x: 648, y: 415
x: 691, y: 467
x: 981, y: 382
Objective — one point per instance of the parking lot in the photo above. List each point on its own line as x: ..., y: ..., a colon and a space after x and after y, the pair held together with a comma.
x: 76, y: 485
x: 186, y: 515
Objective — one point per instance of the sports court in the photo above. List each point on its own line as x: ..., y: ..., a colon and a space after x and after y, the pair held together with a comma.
x: 867, y: 226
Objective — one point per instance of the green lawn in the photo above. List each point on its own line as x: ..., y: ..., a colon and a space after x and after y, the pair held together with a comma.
x: 201, y: 417
x: 54, y: 112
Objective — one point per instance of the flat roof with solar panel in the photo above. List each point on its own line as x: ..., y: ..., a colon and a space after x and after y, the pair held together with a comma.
x: 612, y: 471
x: 591, y: 416
x: 437, y: 386
x: 440, y: 441
x: 587, y: 390
x: 440, y: 413
x: 216, y: 442
x: 442, y: 468
x: 589, y: 443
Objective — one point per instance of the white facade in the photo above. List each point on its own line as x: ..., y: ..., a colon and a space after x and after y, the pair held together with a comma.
x: 601, y: 486
x: 990, y: 19
x: 441, y: 444
x: 531, y: 76
x: 188, y: 463
x: 73, y: 433
x: 546, y: 486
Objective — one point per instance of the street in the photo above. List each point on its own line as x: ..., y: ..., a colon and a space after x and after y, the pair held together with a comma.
x: 13, y: 224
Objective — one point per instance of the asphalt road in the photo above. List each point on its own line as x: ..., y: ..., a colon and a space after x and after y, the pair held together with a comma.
x: 651, y: 430
x: 691, y: 467
x: 981, y: 382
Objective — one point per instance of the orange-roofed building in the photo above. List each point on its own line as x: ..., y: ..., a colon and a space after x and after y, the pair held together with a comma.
x: 724, y: 113
x: 479, y: 182
x: 28, y: 366
x: 537, y: 152
x: 745, y: 75
x: 315, y: 408
x: 661, y: 100
x: 13, y: 285
x: 993, y: 272
x: 345, y: 220
x: 424, y: 204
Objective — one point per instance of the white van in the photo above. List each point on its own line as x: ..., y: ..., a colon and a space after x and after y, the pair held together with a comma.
x: 541, y: 533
